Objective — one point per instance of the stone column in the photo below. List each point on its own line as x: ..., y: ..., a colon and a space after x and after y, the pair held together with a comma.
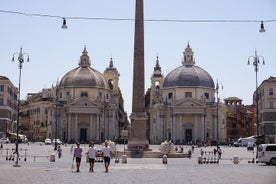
x: 180, y: 128
x: 173, y: 127
x: 69, y: 126
x: 196, y: 127
x: 98, y: 127
x: 76, y: 127
x: 202, y: 127
x: 91, y: 127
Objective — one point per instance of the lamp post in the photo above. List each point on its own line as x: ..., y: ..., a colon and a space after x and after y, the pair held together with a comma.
x: 255, y: 60
x: 56, y: 117
x: 217, y: 91
x: 20, y: 59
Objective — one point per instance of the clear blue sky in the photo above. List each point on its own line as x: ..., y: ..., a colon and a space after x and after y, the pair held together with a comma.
x: 222, y: 49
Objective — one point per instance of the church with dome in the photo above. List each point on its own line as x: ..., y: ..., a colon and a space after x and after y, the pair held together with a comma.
x: 88, y: 105
x: 181, y: 106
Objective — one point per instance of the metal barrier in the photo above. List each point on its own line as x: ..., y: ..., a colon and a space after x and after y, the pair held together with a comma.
x: 10, y: 156
x: 210, y: 158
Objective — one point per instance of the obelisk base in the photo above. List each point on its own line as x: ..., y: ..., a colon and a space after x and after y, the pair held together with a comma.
x: 138, y: 137
x: 136, y: 144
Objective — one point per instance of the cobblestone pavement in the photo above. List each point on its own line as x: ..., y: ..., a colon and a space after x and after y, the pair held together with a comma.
x: 39, y: 170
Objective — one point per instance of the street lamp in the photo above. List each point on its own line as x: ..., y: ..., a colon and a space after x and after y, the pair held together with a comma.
x: 255, y: 60
x: 217, y: 91
x: 56, y: 117
x: 20, y: 58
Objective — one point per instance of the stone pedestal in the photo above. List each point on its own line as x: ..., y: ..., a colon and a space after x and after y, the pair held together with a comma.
x: 137, y: 144
x: 137, y: 140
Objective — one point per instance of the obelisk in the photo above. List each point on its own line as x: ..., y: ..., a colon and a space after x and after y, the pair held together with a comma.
x: 138, y: 137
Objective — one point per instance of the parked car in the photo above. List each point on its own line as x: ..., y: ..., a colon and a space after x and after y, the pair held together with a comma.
x: 48, y: 141
x: 4, y: 140
x: 267, y: 154
x: 59, y: 142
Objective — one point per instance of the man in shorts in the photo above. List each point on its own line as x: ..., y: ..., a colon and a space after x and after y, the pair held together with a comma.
x: 78, y: 155
x: 92, y: 151
x: 106, y: 155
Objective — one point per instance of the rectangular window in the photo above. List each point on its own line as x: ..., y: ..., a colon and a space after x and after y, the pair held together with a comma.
x: 271, y: 104
x: 270, y: 91
x: 84, y: 94
x: 188, y: 94
x: 206, y: 95
x: 1, y: 102
x: 1, y: 87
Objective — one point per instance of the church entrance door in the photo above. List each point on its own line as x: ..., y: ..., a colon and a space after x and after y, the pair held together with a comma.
x: 83, y: 135
x: 188, y: 135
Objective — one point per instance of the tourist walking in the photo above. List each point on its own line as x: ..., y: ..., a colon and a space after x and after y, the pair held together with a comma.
x: 78, y: 155
x: 219, y: 152
x: 106, y: 155
x: 92, y: 151
x: 59, y: 151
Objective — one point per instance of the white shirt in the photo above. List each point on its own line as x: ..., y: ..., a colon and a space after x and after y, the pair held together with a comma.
x: 106, y: 151
x: 92, y: 152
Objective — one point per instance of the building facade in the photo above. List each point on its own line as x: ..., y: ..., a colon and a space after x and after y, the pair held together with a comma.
x: 240, y: 120
x: 8, y: 106
x: 88, y: 105
x: 33, y: 115
x: 267, y: 109
x: 182, y: 106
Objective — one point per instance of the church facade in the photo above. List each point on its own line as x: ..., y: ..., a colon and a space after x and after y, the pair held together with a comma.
x: 181, y: 106
x: 88, y: 105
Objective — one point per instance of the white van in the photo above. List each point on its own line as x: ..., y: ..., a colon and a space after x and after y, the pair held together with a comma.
x: 244, y: 141
x: 267, y: 154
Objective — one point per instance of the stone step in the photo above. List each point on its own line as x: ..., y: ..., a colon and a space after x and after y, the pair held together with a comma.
x: 151, y: 154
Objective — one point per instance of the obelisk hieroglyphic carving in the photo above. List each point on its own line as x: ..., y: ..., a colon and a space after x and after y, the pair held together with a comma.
x: 138, y: 116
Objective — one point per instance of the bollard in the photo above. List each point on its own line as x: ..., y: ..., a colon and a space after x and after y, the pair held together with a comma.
x: 52, y: 157
x: 124, y: 159
x: 200, y: 160
x: 236, y: 159
x: 165, y: 159
x: 117, y: 157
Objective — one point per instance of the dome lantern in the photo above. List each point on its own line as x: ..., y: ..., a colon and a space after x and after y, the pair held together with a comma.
x: 188, y: 59
x: 84, y: 59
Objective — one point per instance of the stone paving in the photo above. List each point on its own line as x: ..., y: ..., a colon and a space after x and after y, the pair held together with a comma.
x: 137, y: 170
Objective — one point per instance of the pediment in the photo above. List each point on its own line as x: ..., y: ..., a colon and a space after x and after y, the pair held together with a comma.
x: 80, y: 102
x: 188, y: 102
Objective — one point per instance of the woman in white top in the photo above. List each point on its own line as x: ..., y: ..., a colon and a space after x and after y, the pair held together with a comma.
x: 92, y: 151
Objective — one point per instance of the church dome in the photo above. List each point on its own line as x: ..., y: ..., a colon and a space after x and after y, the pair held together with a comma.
x: 188, y: 75
x: 84, y: 75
